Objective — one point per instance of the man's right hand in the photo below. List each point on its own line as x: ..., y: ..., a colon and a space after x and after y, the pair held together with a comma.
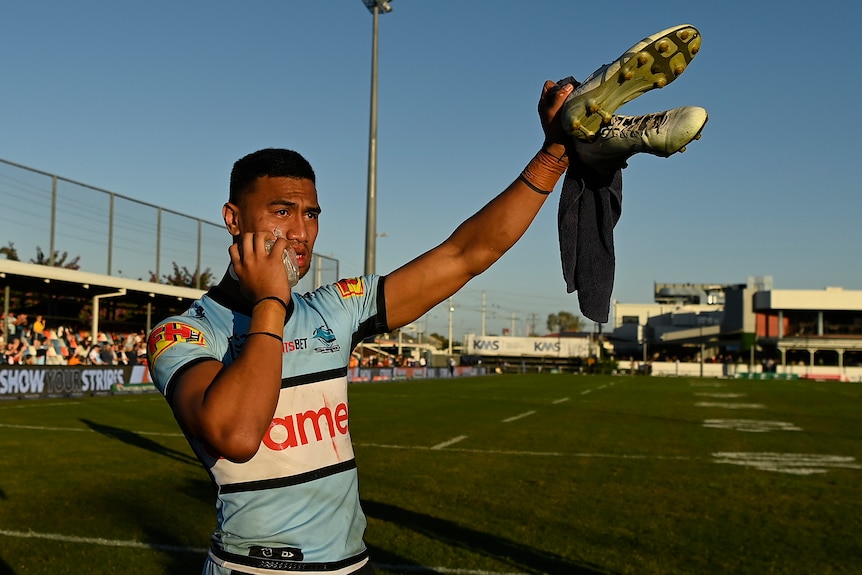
x: 260, y: 274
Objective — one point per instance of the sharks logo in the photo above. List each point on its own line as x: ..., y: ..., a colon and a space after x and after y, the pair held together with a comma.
x: 325, y: 336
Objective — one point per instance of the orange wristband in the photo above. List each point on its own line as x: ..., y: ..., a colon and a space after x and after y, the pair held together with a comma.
x: 543, y: 171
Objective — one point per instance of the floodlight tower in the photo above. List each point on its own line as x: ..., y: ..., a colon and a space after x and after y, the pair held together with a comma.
x: 375, y: 7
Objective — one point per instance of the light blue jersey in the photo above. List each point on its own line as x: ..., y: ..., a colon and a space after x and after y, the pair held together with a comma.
x: 295, y: 505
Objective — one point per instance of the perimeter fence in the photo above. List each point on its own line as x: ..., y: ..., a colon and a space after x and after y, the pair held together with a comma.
x: 111, y: 233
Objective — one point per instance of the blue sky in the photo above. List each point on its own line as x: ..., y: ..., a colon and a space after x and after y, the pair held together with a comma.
x: 156, y: 100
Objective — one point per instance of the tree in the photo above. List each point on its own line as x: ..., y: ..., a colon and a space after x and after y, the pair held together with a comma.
x: 565, y: 321
x: 10, y: 252
x: 183, y: 277
x: 444, y: 341
x: 58, y: 261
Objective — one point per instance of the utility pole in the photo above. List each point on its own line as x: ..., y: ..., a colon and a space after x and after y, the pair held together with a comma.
x: 375, y: 7
x: 451, y: 311
x: 483, y: 313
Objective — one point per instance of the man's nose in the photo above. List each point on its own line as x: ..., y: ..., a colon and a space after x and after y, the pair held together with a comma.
x: 297, y: 231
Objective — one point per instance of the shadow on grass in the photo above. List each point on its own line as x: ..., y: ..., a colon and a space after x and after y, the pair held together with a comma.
x: 527, y: 559
x: 137, y: 440
x: 5, y: 569
x: 177, y: 558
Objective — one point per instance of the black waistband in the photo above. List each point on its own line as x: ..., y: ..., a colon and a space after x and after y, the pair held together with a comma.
x: 281, y: 565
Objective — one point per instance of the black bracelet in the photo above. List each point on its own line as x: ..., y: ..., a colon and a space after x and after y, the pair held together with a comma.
x: 269, y: 333
x: 275, y: 298
x: 533, y: 187
x: 558, y: 158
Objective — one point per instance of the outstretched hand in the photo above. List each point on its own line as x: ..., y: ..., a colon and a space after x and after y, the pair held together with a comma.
x: 550, y: 106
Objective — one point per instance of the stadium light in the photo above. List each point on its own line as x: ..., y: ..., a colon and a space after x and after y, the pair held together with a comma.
x: 382, y: 5
x: 375, y: 7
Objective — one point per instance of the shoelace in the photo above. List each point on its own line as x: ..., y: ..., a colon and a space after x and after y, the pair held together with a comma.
x: 634, y: 126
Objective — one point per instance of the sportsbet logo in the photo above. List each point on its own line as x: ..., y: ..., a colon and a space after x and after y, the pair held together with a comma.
x: 351, y: 287
x: 169, y: 334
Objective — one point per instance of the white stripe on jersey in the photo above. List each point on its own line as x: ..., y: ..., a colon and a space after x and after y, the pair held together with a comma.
x: 308, y: 432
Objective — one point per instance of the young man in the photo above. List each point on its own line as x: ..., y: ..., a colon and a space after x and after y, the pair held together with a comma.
x: 256, y: 375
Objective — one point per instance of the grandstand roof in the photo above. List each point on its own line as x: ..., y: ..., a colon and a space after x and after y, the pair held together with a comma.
x: 45, y: 281
x: 33, y: 277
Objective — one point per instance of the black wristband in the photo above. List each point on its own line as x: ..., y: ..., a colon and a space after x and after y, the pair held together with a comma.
x: 533, y: 187
x: 269, y: 333
x: 275, y: 298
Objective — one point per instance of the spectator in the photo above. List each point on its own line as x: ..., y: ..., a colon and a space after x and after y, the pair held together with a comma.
x: 14, y: 352
x: 22, y: 326
x: 121, y: 355
x: 107, y: 355
x: 94, y: 357
x: 38, y: 326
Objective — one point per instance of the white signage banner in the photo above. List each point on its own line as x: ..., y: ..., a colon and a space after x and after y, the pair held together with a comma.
x: 528, y: 346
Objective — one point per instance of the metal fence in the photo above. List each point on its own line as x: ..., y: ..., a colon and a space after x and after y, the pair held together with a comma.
x: 113, y: 234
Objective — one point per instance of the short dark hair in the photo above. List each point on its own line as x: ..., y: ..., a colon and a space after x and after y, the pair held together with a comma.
x: 269, y: 163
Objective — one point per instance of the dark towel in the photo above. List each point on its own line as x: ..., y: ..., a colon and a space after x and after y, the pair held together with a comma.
x: 590, y: 206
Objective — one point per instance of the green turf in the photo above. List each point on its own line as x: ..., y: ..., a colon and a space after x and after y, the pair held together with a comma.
x: 555, y: 474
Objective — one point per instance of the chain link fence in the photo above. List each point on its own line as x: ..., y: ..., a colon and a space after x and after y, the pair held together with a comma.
x: 53, y: 220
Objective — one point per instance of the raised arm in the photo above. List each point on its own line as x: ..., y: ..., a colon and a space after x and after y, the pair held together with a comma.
x: 481, y: 240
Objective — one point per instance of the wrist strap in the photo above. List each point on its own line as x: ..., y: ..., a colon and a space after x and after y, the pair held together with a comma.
x: 530, y: 185
x: 269, y: 333
x: 274, y: 298
x: 543, y: 171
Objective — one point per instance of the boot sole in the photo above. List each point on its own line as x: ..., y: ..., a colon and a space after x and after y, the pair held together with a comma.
x: 654, y: 62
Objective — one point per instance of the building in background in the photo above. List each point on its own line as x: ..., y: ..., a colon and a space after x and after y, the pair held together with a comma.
x: 746, y: 328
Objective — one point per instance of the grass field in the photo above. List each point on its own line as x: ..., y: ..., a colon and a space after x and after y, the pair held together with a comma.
x: 513, y: 474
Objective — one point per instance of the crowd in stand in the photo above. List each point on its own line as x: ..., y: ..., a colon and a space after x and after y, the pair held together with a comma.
x: 26, y: 342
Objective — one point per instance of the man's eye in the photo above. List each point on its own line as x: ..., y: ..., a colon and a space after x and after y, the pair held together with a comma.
x: 282, y: 212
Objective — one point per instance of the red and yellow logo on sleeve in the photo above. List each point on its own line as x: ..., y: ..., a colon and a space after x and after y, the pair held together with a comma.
x: 351, y: 287
x: 169, y: 334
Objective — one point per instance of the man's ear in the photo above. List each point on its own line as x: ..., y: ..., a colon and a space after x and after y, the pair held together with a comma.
x: 230, y: 213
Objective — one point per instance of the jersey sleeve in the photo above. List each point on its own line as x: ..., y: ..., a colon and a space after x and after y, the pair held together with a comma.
x: 362, y: 298
x: 174, y: 344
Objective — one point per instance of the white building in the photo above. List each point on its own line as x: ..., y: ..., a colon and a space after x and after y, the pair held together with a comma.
x: 749, y: 327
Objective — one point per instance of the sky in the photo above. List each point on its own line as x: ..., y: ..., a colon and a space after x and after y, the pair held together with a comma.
x: 156, y: 100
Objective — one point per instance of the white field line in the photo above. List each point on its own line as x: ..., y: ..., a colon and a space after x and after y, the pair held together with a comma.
x: 721, y: 395
x: 793, y: 463
x: 750, y: 425
x: 586, y: 391
x: 784, y: 463
x: 64, y: 429
x: 528, y: 453
x: 452, y: 441
x: 519, y: 416
x: 178, y: 549
x: 30, y: 404
x: 100, y: 541
x: 730, y: 405
x: 561, y: 400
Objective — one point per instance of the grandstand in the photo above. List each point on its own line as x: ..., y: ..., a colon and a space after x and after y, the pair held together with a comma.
x: 94, y: 229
